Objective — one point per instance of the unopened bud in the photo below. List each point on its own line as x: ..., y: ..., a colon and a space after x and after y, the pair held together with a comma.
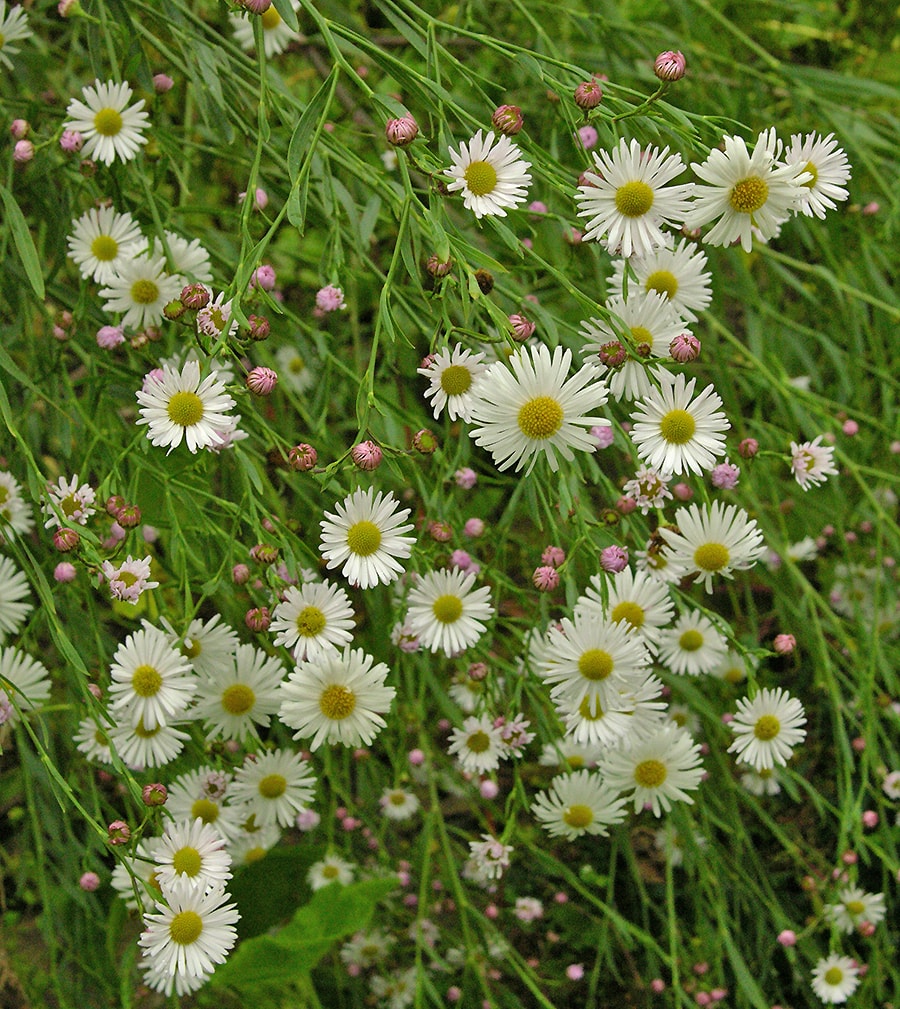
x: 437, y: 267
x: 259, y: 327
x: 401, y: 132
x: 522, y: 327
x: 588, y: 95
x: 612, y: 354
x: 425, y: 441
x: 258, y: 618
x: 748, y: 448
x: 685, y: 347
x: 261, y: 381
x: 118, y: 832
x: 302, y: 457
x: 366, y: 455
x: 65, y: 540
x: 154, y: 795
x: 129, y: 516
x: 508, y: 119
x: 194, y: 296
x: 669, y: 66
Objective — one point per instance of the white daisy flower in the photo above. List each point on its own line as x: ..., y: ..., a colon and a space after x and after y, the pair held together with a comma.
x: 628, y: 200
x: 181, y: 406
x: 365, y: 949
x: 73, y: 501
x: 398, y: 804
x: 141, y: 289
x: 493, y: 179
x: 452, y: 376
x: 193, y: 851
x: 854, y: 906
x: 129, y: 579
x: 714, y: 540
x: 103, y: 242
x: 92, y: 739
x: 313, y: 619
x: 140, y: 747
x: 294, y: 369
x: 110, y: 128
x: 13, y: 28
x: 635, y: 599
x: 812, y: 463
x: 488, y: 859
x: 835, y: 978
x: 650, y: 324
x: 675, y: 433
x: 365, y: 538
x: 677, y: 274
x: 733, y: 667
x: 151, y: 682
x: 569, y: 755
x: 767, y: 728
x: 274, y: 787
x: 203, y: 793
x: 692, y: 645
x: 137, y: 873
x: 745, y: 191
x: 478, y: 745
x: 339, y: 697
x: 276, y: 34
x: 242, y: 693
x: 250, y: 846
x: 657, y: 771
x: 760, y: 783
x: 803, y: 550
x: 656, y: 561
x: 445, y: 613
x: 577, y: 804
x: 207, y: 645
x: 634, y: 713
x: 531, y: 407
x: 15, y: 514
x: 469, y: 694
x: 191, y: 933
x: 828, y: 168
x: 331, y: 869
x: 168, y: 984
x: 24, y: 682
x: 215, y: 319
x: 13, y: 591
x: 187, y: 258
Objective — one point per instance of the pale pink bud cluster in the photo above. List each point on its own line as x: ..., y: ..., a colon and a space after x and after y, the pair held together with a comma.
x: 614, y: 559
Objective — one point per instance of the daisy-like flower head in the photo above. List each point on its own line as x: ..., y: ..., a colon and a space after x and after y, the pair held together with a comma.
x: 139, y: 747
x: 74, y: 501
x: 478, y: 745
x: 187, y: 258
x: 366, y: 538
x: 649, y: 489
x: 207, y: 645
x: 215, y: 319
x: 181, y: 406
x: 102, y: 242
x: 92, y: 739
x: 628, y: 200
x: 294, y: 369
x: 13, y: 28
x: 853, y: 906
x: 493, y: 179
x: 204, y: 793
x: 313, y: 619
x: 15, y: 515
x: 676, y: 274
x: 274, y: 787
x: 657, y: 771
x: 276, y: 34
x: 398, y: 803
x: 13, y: 590
x: 489, y: 858
x: 365, y: 949
x: 692, y: 645
x: 250, y: 846
x: 143, y: 868
x: 656, y: 561
x: 151, y: 682
x: 576, y: 804
x: 635, y: 599
x: 531, y: 407
x: 745, y: 191
x: 141, y: 289
x: 676, y: 433
x: 110, y: 127
x: 715, y: 540
x: 650, y: 323
x: 445, y: 613
x: 243, y: 692
x: 191, y: 933
x: 452, y: 376
x: 835, y: 978
x: 828, y: 168
x: 767, y: 728
x: 568, y: 755
x: 812, y: 463
x: 129, y: 579
x: 634, y: 713
x: 332, y: 869
x: 764, y: 782
x: 24, y: 682
x: 194, y: 851
x: 339, y: 697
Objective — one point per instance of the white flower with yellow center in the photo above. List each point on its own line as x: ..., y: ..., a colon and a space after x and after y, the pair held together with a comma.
x: 331, y: 869
x: 13, y: 28
x: 577, y: 804
x: 15, y: 514
x: 139, y: 747
x: 244, y: 692
x: 812, y: 463
x: 193, y: 851
x: 141, y: 289
x: 568, y: 755
x: 130, y: 579
x: 767, y: 728
x: 634, y: 713
x: 635, y: 599
x: 277, y: 36
x: 273, y: 787
x: 207, y: 644
x: 676, y: 432
x: 677, y: 274
x: 452, y: 376
x: 74, y: 502
x: 313, y: 619
x: 189, y: 258
x: 692, y: 646
x: 366, y: 538
x: 102, y: 242
x: 492, y: 179
x: 398, y: 804
x: 745, y: 191
x: 828, y: 168
x: 339, y: 697
x: 24, y: 685
x: 853, y: 906
x: 152, y: 683
x: 179, y: 406
x: 204, y: 793
x: 110, y: 127
x: 13, y: 592
x: 531, y: 407
x: 478, y: 745
x: 294, y: 369
x: 835, y: 978
x: 628, y: 200
x: 714, y: 540
x: 445, y: 613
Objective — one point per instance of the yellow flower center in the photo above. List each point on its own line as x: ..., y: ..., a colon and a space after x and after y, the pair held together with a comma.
x: 834, y: 976
x: 126, y: 578
x: 640, y: 334
x: 691, y: 641
x: 187, y: 861
x: 478, y: 742
x: 575, y: 761
x: 397, y: 798
x: 337, y: 702
x: 254, y: 855
x: 712, y: 556
x: 578, y: 816
x: 104, y: 248
x: 734, y: 675
x: 191, y: 648
x: 206, y: 810
x: 481, y: 178
x: 296, y: 365
x: 677, y: 427
x: 310, y: 622
x: 540, y: 417
x: 811, y: 168
x: 590, y: 709
x: 855, y: 907
x: 634, y: 199
x: 447, y: 609
x: 456, y: 380
x: 272, y: 785
x: 143, y: 733
x: 144, y: 292
x: 663, y: 282
x: 185, y: 408
x: 330, y: 872
x: 628, y: 611
x: 238, y: 699
x: 595, y: 664
x: 364, y: 538
x: 650, y: 773
x: 767, y: 728
x: 270, y: 19
x: 185, y: 927
x: 107, y: 122
x: 748, y: 195
x: 146, y: 681
x: 69, y: 505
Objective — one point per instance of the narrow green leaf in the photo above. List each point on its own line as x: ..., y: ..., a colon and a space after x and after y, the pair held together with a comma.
x: 302, y: 147
x: 288, y: 14
x: 23, y: 242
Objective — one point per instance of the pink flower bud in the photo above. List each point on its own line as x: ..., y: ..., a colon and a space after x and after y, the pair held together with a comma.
x: 683, y: 492
x: 508, y: 119
x: 19, y: 128
x: 440, y: 532
x: 329, y: 299
x: 64, y: 572
x: 240, y: 574
x: 23, y: 151
x: 154, y: 795
x: 473, y: 528
x: 255, y: 6
x: 522, y: 327
x: 264, y: 553
x: 748, y: 448
x: 669, y: 66
x: 195, y: 296
x: 71, y: 141
x: 261, y: 381
x: 787, y: 938
x: 129, y: 516
x: 460, y: 559
x: 65, y: 540
x: 657, y: 986
x: 575, y: 971
x: 784, y: 644
x: 604, y: 434
x: 263, y: 277
x: 489, y: 789
x: 109, y: 337
x: 850, y: 428
x: 259, y: 327
x: 554, y: 556
x: 416, y: 757
x: 89, y: 881
x: 870, y: 819
x: 438, y: 267
x: 588, y: 95
x: 545, y: 578
x: 302, y: 457
x: 612, y: 354
x: 614, y: 559
x: 162, y: 83
x: 849, y: 858
x: 626, y: 505
x: 425, y: 441
x: 465, y: 478
x: 587, y: 137
x: 118, y: 832
x: 684, y: 348
x: 401, y: 132
x: 258, y: 618
x: 366, y: 455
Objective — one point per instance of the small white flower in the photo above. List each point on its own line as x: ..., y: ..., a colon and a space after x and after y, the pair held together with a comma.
x: 812, y: 462
x: 215, y: 319
x: 489, y: 858
x: 677, y: 274
x: 129, y: 579
x: 276, y: 34
x: 313, y: 619
x: 140, y: 747
x: 478, y: 745
x: 186, y: 258
x: 74, y: 501
x: 760, y: 783
x: 102, y: 242
x: 835, y: 978
x: 493, y: 179
x: 24, y: 682
x: 204, y: 793
x: 137, y: 874
x: 243, y: 692
x: 331, y: 869
x: 110, y: 127
x: 152, y: 683
x: 452, y: 376
x: 273, y: 787
x: 193, y: 851
x: 294, y: 369
x: 13, y: 591
x: 398, y: 804
x: 633, y: 713
x: 577, y: 804
x: 767, y: 728
x: 445, y: 613
x: 692, y: 646
x: 13, y: 28
x: 207, y: 645
x: 828, y: 168
x: 141, y: 289
x: 635, y: 599
x: 15, y: 514
x: 92, y: 739
x: 854, y: 906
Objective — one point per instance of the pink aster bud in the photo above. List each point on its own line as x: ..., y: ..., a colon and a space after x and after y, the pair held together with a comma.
x: 871, y: 208
x: 575, y: 971
x: 849, y: 858
x: 401, y: 132
x: 440, y: 532
x: 64, y: 572
x: 683, y: 492
x: 240, y: 574
x: 748, y: 448
x: 89, y: 881
x: 587, y: 137
x: 308, y: 819
x: 522, y: 327
x: 118, y: 832
x: 259, y: 327
x: 465, y: 478
x: 302, y: 457
x: 612, y: 354
x: 669, y: 66
x: 23, y: 151
x: 604, y: 434
x: 154, y: 795
x: 870, y: 819
x: 255, y: 6
x: 129, y: 516
x: 554, y: 556
x: 162, y: 83
x: 725, y: 475
x: 261, y: 381
x: 71, y: 141
x: 366, y: 455
x: 66, y: 8
x: 18, y: 129
x: 614, y: 559
x: 850, y: 428
x: 416, y: 757
x: 473, y: 528
x: 866, y: 929
x: 626, y: 505
x: 258, y: 618
x: 329, y: 299
x: 65, y: 540
x: 263, y: 277
x: 195, y: 296
x: 95, y: 691
x: 109, y: 337
x: 787, y: 937
x: 545, y: 578
x: 685, y: 347
x: 114, y: 503
x: 438, y: 267
x: 489, y: 789
x: 508, y: 119
x: 477, y: 671
x: 703, y: 998
x: 425, y: 441
x: 454, y: 993
x: 717, y: 994
x: 460, y: 559
x: 588, y: 95
x: 264, y: 553
x: 657, y: 986
x: 784, y: 644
